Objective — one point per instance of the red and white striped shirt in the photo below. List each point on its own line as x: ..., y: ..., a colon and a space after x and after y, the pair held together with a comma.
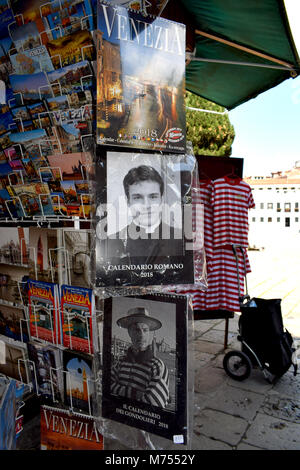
x: 231, y: 200
x: 222, y: 279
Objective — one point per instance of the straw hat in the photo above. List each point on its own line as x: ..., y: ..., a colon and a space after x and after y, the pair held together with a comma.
x: 139, y: 315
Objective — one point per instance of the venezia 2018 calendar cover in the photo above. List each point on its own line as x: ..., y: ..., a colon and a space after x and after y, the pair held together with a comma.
x: 140, y: 80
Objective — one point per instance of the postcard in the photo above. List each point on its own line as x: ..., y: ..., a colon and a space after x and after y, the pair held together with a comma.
x: 86, y: 211
x: 15, y: 363
x: 54, y: 186
x: 11, y: 283
x: 32, y: 61
x: 29, y: 169
x: 69, y: 191
x: 34, y: 143
x: 14, y: 246
x: 11, y: 153
x: 71, y: 78
x: 146, y: 77
x: 70, y: 137
x: 36, y: 109
x: 71, y: 166
x: 71, y: 49
x: 30, y: 197
x: 157, y: 406
x: 21, y: 113
x: 3, y: 157
x: 6, y: 18
x: 78, y: 245
x: 73, y: 209
x: 64, y: 21
x: 136, y: 243
x: 6, y: 120
x: 80, y: 98
x: 15, y: 208
x: 39, y: 162
x: 13, y: 323
x: 82, y: 187
x: 30, y: 11
x: 59, y: 103
x: 31, y: 88
x: 44, y: 255
x: 4, y: 196
x: 46, y: 205
x: 45, y: 366
x: 25, y: 37
x: 25, y: 126
x: 58, y: 203
x: 5, y: 141
x: 77, y: 312
x: 16, y: 165
x: 5, y: 65
x: 44, y: 322
x: 5, y: 169
x: 79, y: 381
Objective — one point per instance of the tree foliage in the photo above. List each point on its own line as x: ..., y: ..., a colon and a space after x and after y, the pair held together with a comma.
x: 210, y: 134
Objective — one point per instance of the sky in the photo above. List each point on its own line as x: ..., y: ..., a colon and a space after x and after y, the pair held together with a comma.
x: 267, y: 127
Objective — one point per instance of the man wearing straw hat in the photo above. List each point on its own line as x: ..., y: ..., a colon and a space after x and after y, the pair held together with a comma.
x: 139, y: 374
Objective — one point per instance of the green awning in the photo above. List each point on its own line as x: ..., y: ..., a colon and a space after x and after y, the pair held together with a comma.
x: 242, y: 48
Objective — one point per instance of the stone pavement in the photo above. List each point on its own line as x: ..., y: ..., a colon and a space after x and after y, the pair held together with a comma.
x: 253, y: 414
x: 232, y: 415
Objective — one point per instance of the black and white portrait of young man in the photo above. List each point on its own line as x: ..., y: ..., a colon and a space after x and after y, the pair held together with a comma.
x: 144, y: 223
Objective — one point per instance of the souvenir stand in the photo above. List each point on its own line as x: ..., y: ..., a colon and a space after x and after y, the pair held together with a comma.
x: 93, y: 122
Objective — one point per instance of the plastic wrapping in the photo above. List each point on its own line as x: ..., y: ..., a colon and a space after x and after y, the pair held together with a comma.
x: 140, y: 244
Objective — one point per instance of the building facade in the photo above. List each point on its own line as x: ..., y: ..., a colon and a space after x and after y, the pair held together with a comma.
x: 277, y: 205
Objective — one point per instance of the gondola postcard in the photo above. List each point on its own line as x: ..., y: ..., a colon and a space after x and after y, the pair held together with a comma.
x: 145, y: 363
x: 140, y: 80
x: 143, y: 220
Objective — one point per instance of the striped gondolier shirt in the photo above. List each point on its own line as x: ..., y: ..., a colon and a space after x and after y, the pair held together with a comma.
x: 142, y: 377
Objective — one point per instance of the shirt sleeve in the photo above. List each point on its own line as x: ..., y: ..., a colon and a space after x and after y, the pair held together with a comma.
x: 157, y: 392
x: 251, y: 203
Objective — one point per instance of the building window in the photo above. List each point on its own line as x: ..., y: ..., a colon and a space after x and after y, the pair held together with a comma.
x: 296, y: 219
x: 278, y: 207
x: 278, y: 219
x: 261, y: 205
x: 296, y: 206
x: 270, y: 205
x: 253, y: 219
x: 269, y: 219
x: 287, y: 222
x: 261, y: 219
x: 287, y: 207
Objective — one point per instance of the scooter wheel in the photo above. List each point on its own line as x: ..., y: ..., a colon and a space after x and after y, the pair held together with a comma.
x: 237, y: 365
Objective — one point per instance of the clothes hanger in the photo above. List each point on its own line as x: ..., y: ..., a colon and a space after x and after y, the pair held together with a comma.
x: 232, y: 174
x: 203, y: 176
